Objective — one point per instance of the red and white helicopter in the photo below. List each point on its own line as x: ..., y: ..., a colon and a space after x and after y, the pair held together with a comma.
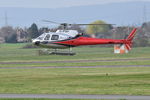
x: 64, y: 38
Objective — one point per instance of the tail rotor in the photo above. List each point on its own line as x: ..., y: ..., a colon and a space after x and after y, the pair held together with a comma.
x: 125, y: 47
x: 129, y: 39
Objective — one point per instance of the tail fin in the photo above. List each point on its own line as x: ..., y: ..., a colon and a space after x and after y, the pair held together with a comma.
x: 129, y: 39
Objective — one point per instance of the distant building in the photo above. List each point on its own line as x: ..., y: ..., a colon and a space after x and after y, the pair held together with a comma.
x: 2, y: 40
x: 21, y: 35
x: 146, y: 29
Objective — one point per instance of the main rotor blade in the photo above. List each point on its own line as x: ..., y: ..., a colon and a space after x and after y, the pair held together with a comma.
x: 67, y: 24
x: 95, y: 24
x: 50, y: 22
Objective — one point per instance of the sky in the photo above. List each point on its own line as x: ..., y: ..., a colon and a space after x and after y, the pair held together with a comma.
x: 56, y: 3
x: 15, y: 16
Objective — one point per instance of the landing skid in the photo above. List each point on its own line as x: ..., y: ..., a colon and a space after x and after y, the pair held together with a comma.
x: 56, y: 52
x: 63, y: 53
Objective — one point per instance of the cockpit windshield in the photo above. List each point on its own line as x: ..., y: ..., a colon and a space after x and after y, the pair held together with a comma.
x: 41, y: 37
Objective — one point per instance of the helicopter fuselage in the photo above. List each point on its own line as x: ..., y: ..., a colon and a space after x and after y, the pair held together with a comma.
x: 62, y: 40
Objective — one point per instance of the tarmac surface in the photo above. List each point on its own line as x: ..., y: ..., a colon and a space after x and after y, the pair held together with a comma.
x: 53, y: 96
x: 47, y: 67
x: 76, y: 61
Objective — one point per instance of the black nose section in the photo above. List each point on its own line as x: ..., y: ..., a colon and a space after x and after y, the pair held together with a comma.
x: 37, y: 43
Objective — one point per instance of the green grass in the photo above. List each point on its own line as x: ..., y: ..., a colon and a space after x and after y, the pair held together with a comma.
x: 126, y: 80
x: 130, y: 81
x: 14, y: 52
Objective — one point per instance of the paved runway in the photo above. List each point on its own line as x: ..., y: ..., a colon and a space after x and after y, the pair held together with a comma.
x: 53, y: 96
x: 76, y: 61
x: 47, y: 67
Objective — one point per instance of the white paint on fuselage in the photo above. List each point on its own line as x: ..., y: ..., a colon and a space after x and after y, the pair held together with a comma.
x: 54, y: 36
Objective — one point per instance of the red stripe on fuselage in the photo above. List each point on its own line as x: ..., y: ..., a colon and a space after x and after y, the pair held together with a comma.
x: 90, y: 41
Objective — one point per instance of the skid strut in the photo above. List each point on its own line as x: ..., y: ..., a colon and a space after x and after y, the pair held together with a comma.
x: 56, y: 52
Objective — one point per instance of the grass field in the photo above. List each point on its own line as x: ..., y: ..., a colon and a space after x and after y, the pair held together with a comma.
x: 125, y: 80
x: 131, y: 81
x: 15, y: 53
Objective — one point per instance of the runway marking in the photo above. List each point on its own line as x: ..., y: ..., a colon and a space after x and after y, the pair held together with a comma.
x: 53, y: 96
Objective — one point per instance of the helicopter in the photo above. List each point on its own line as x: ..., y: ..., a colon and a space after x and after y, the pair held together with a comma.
x: 64, y: 38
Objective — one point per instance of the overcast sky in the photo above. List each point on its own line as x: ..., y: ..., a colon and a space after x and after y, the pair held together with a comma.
x: 55, y: 3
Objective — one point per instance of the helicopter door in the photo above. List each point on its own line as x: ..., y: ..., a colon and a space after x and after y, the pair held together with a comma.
x: 55, y: 37
x: 47, y: 37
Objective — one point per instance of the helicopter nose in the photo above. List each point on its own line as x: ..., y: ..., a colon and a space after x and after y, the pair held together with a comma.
x: 35, y: 42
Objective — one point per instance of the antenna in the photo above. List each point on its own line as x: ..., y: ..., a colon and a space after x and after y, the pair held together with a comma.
x: 144, y: 14
x: 6, y: 19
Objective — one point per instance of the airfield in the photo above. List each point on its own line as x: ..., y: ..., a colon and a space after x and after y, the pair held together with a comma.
x: 93, y: 71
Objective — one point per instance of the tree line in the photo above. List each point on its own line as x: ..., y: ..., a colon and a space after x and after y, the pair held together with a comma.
x: 9, y: 34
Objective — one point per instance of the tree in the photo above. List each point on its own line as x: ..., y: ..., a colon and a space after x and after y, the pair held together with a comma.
x: 33, y: 31
x: 142, y: 38
x: 98, y: 29
x: 43, y: 30
x: 9, y: 34
x: 141, y: 41
x: 6, y: 31
x: 11, y: 38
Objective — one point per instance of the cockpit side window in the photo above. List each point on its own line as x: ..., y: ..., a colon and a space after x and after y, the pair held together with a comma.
x: 47, y: 37
x: 55, y: 37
